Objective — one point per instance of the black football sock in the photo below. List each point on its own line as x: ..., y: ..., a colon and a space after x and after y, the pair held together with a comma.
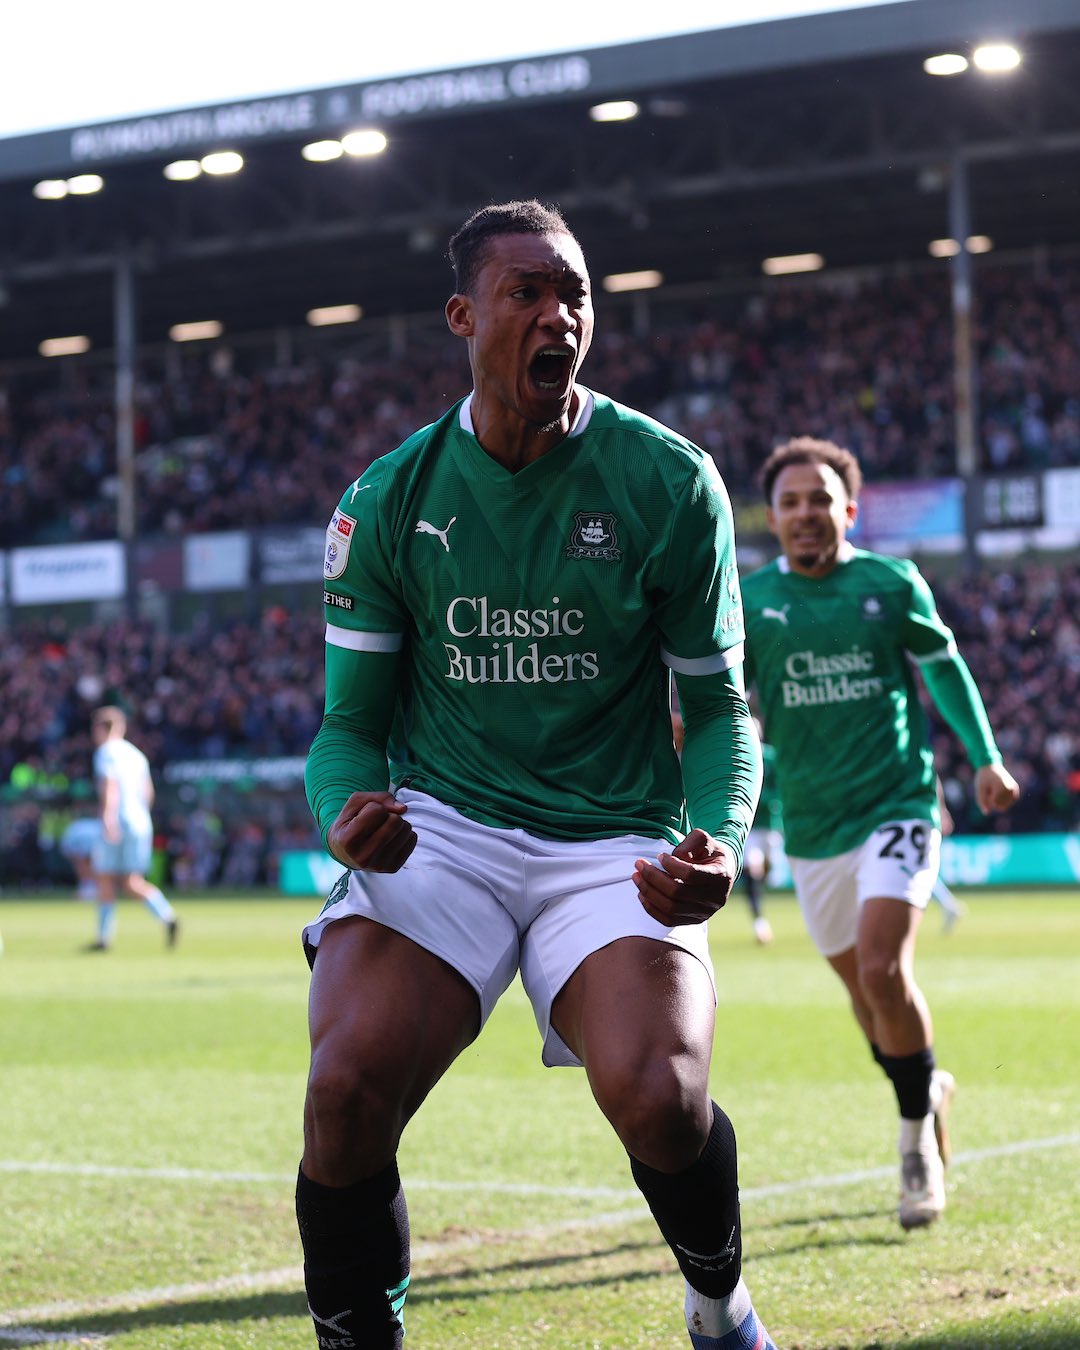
x: 697, y: 1211
x: 910, y: 1077
x: 356, y: 1260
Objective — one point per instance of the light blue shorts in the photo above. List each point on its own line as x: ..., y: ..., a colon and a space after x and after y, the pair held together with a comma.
x: 130, y: 853
x: 490, y: 902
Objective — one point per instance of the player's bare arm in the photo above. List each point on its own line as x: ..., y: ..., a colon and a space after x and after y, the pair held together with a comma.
x: 371, y: 833
x: 689, y: 884
x: 995, y: 788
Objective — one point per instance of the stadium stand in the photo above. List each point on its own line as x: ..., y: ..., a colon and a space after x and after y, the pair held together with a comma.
x: 763, y: 139
x: 861, y: 360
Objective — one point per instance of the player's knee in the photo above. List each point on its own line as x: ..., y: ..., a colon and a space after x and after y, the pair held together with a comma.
x: 662, y: 1116
x: 882, y: 979
x: 350, y: 1110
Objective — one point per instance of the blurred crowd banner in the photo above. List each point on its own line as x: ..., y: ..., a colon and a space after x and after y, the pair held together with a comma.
x: 966, y: 860
x: 1005, y: 513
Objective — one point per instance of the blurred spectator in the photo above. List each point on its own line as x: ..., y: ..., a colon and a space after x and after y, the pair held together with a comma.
x: 866, y: 363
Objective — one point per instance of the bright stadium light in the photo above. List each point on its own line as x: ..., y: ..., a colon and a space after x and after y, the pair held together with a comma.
x: 646, y: 280
x: 364, y: 142
x: 222, y: 162
x: 619, y: 110
x: 319, y: 152
x: 84, y: 184
x: 328, y: 314
x: 197, y: 331
x: 64, y: 346
x: 182, y: 170
x: 996, y: 57
x: 947, y: 63
x: 50, y: 190
x: 949, y: 248
x: 792, y: 262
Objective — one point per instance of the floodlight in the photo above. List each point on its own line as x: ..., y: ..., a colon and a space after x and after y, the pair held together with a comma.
x: 996, y: 57
x: 949, y: 248
x: 328, y: 314
x: 50, y: 189
x: 197, y: 331
x: 946, y: 63
x: 64, y: 346
x: 619, y: 110
x: 318, y: 152
x: 365, y: 142
x: 222, y: 162
x: 83, y: 184
x: 792, y: 262
x: 182, y: 170
x: 646, y: 280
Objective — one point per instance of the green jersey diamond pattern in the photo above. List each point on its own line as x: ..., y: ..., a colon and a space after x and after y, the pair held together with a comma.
x: 539, y: 614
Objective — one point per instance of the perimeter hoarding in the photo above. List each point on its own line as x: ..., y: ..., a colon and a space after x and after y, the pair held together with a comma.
x: 966, y: 860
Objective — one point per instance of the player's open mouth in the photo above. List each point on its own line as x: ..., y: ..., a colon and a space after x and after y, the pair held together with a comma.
x: 550, y: 368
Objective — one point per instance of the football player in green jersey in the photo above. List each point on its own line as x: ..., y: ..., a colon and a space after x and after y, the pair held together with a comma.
x: 832, y: 633
x: 507, y: 595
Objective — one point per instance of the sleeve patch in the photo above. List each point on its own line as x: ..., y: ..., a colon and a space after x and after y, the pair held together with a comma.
x: 339, y: 535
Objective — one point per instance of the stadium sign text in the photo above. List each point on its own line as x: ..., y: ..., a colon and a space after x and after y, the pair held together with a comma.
x: 197, y: 127
x: 469, y: 88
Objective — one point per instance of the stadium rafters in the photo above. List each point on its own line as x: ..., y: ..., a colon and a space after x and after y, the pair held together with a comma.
x: 816, y: 133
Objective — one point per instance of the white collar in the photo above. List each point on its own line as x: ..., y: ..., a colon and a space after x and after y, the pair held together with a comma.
x: 586, y: 405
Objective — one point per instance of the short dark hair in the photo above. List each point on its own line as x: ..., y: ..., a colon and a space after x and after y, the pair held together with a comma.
x: 808, y: 450
x: 468, y: 248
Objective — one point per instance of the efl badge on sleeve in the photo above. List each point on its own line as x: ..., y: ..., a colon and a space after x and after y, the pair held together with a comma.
x: 339, y: 535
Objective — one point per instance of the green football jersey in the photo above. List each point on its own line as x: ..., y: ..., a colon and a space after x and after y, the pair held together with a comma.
x: 832, y: 661
x: 539, y: 615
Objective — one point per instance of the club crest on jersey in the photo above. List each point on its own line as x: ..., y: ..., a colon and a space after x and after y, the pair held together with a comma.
x: 338, y: 538
x: 872, y: 608
x: 594, y: 536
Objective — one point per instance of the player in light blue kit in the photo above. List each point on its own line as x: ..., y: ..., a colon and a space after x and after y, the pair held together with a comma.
x: 77, y: 845
x: 122, y: 854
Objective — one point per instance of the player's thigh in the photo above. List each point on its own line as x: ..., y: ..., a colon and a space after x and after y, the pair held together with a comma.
x: 582, y: 903
x: 385, y: 1011
x: 638, y: 1003
x: 828, y: 900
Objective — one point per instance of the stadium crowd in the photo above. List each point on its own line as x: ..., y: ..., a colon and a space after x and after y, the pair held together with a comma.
x: 227, y: 439
x: 255, y: 690
x: 229, y: 436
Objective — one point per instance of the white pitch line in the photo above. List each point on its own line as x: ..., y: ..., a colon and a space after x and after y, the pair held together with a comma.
x: 281, y: 1178
x: 526, y: 1188
x: 14, y: 1324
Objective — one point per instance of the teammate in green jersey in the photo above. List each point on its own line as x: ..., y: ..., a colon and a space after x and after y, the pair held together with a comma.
x: 507, y: 595
x: 832, y: 632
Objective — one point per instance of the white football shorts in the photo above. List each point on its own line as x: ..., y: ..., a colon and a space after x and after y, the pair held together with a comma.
x: 491, y: 902
x: 899, y: 860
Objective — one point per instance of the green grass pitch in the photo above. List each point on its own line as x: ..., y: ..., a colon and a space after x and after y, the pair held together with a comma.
x: 150, y: 1131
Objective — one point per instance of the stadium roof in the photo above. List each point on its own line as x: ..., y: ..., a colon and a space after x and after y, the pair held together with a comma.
x: 820, y: 133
